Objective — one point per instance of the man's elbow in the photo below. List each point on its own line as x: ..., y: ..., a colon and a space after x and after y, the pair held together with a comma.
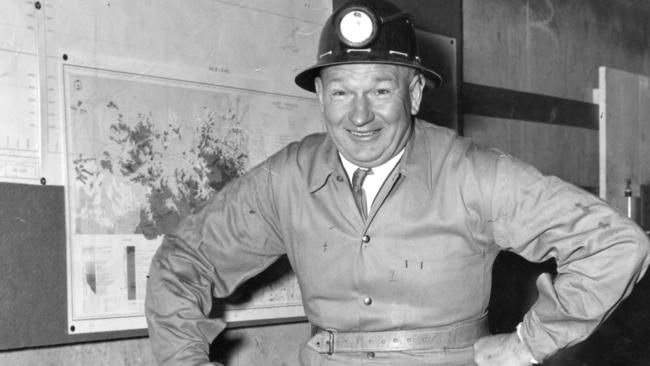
x: 642, y: 252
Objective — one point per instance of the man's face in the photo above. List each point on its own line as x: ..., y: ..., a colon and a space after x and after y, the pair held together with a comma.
x: 368, y: 109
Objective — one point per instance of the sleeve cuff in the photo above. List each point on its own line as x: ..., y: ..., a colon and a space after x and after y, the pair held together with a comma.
x: 532, y: 359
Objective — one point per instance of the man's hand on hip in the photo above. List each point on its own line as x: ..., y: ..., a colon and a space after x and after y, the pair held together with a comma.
x: 502, y: 350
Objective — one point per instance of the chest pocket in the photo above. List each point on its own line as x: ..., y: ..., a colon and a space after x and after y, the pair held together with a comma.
x: 445, y: 286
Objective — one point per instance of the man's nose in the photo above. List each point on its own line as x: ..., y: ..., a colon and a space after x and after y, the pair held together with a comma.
x: 361, y: 112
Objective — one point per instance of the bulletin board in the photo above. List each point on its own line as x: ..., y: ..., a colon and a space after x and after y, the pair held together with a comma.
x: 33, y: 302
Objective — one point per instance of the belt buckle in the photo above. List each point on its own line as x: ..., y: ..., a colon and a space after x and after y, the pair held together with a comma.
x: 330, y: 342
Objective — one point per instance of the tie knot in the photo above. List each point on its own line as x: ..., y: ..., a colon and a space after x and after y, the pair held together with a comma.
x: 359, y: 176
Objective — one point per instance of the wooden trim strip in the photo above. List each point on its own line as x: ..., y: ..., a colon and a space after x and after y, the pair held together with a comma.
x: 495, y: 102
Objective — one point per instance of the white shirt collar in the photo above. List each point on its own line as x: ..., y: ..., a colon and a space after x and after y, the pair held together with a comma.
x: 374, y: 181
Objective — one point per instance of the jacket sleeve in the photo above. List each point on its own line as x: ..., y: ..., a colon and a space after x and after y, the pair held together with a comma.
x: 231, y: 239
x: 600, y: 254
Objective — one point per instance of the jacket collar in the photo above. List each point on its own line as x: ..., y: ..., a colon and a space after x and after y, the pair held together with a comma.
x: 324, y: 163
x: 418, y: 163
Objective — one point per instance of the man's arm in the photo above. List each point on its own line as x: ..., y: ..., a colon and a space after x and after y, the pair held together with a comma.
x: 600, y: 256
x: 211, y: 253
x: 179, y: 299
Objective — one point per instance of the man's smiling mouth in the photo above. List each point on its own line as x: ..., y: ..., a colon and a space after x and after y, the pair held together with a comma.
x: 362, y: 134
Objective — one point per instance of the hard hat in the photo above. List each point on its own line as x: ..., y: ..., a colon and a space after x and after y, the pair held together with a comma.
x: 366, y: 31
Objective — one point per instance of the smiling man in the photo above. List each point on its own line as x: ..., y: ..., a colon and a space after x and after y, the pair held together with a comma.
x: 392, y: 225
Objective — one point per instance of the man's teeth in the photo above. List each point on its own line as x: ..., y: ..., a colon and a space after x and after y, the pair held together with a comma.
x: 363, y: 134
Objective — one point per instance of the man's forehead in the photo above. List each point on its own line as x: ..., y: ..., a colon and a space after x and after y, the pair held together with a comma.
x: 372, y: 70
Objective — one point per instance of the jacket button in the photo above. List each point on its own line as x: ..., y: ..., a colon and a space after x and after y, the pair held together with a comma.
x: 340, y: 178
x: 365, y: 239
x: 367, y: 301
x: 370, y: 355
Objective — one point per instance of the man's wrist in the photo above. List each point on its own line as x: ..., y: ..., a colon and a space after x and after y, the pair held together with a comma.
x: 521, y: 340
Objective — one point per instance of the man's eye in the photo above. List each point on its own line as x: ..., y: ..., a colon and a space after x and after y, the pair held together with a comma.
x: 382, y: 91
x: 338, y: 93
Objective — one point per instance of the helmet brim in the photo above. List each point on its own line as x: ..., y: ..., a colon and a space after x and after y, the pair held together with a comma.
x: 305, y: 79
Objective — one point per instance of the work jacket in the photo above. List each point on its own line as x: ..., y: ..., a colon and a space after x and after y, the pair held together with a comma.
x: 422, y: 259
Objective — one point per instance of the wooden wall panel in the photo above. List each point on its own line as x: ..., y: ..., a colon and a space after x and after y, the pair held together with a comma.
x: 553, y: 47
x: 624, y: 136
x: 117, y: 353
x: 567, y: 152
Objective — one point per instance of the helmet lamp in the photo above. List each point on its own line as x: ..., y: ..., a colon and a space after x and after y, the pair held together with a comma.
x: 357, y: 27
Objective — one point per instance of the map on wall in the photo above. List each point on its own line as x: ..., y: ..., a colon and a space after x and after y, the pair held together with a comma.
x: 144, y: 152
x: 161, y: 107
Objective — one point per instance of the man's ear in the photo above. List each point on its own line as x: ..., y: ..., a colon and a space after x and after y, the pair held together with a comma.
x: 318, y: 84
x: 416, y: 91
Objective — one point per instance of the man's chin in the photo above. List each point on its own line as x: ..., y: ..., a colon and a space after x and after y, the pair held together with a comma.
x: 367, y: 161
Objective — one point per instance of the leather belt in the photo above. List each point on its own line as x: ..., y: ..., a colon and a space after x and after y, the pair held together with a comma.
x: 452, y: 336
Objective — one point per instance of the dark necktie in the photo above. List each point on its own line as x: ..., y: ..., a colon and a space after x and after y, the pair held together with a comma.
x: 358, y: 192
